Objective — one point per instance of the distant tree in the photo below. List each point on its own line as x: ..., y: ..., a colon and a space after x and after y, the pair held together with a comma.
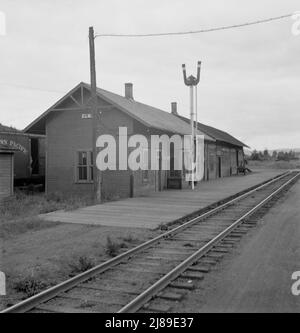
x: 274, y: 155
x: 280, y: 156
x: 266, y: 155
x: 255, y: 156
x: 283, y: 156
x: 292, y: 155
x: 286, y: 156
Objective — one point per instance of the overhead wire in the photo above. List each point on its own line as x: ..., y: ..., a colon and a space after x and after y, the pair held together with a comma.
x: 234, y: 26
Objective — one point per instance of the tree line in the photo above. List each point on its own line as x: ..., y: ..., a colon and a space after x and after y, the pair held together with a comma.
x: 265, y: 155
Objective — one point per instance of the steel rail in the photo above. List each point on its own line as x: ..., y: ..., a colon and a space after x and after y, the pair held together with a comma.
x: 148, y: 294
x: 66, y: 285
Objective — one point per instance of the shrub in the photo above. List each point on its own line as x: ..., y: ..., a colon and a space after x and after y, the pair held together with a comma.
x: 82, y: 264
x: 30, y: 286
x: 112, y: 248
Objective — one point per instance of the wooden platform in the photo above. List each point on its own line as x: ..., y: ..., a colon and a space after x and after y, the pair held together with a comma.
x: 160, y: 207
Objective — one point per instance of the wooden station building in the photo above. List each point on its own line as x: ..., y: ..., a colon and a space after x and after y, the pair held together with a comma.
x: 67, y: 127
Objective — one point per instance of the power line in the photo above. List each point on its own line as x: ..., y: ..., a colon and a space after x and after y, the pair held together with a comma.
x: 198, y: 31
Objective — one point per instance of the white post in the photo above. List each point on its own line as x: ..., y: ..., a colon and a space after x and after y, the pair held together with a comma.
x: 193, y: 135
x: 196, y: 107
x: 196, y: 126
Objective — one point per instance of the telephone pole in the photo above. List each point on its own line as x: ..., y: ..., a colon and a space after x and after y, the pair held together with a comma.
x: 96, y: 175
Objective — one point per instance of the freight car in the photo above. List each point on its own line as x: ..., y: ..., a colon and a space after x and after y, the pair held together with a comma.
x: 29, y: 159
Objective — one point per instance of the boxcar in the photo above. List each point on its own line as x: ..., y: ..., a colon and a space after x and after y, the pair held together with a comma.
x: 29, y: 157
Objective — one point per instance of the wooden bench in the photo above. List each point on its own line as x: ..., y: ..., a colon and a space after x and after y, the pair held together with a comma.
x: 242, y: 169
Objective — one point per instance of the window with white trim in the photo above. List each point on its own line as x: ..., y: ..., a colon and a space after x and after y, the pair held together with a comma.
x: 84, y: 167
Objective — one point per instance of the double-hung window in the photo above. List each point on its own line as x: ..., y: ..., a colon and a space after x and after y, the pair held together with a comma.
x: 84, y: 167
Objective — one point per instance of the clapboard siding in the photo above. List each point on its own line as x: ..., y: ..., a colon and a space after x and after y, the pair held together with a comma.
x: 6, y: 174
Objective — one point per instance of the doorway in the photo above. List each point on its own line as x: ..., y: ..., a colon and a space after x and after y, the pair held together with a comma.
x: 219, y: 166
x: 158, y: 174
x: 35, y: 165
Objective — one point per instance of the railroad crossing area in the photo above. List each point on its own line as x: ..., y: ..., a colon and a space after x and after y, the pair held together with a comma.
x: 159, y: 208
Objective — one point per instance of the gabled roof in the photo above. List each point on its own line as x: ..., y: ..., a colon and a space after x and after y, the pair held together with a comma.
x: 149, y: 116
x: 217, y: 134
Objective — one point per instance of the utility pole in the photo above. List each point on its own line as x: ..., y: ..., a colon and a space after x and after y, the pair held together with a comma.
x: 96, y: 176
x: 192, y: 82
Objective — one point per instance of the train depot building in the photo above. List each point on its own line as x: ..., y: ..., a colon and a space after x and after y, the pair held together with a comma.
x: 67, y: 128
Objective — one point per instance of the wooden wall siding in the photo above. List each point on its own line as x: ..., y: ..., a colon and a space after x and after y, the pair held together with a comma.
x: 233, y: 161
x: 212, y: 161
x: 66, y: 133
x: 225, y: 162
x: 6, y: 175
x: 115, y: 184
x: 240, y: 156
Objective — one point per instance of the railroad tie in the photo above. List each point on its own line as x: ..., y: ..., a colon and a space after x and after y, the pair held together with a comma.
x: 182, y: 285
x: 201, y: 269
x: 192, y: 275
x: 157, y: 307
x: 171, y: 296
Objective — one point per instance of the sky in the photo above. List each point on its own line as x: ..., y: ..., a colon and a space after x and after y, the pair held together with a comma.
x: 250, y: 76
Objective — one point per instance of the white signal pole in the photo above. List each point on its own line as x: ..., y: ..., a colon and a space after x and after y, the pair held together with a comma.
x: 193, y: 132
x: 192, y: 82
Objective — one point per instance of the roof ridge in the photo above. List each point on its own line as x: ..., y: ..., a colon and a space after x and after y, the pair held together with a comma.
x: 131, y: 100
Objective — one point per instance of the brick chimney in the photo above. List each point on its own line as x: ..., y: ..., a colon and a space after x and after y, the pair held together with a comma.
x: 129, y: 90
x: 174, y: 108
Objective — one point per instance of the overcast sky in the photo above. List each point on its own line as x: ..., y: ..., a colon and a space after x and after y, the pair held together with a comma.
x: 250, y: 76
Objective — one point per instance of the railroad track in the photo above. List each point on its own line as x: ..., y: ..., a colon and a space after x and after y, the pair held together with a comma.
x: 149, y: 277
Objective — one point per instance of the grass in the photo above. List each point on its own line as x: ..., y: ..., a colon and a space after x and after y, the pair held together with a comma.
x: 165, y: 227
x: 20, y: 226
x: 23, y: 205
x: 19, y: 214
x: 284, y: 165
x: 41, y: 277
x: 39, y: 280
x: 130, y: 239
